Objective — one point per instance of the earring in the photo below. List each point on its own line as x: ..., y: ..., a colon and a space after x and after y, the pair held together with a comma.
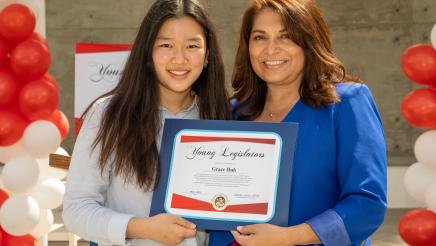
x: 205, y: 64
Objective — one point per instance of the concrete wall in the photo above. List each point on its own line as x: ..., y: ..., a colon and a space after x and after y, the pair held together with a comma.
x: 369, y: 36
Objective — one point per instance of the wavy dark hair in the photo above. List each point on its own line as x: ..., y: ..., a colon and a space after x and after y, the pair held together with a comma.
x: 307, y: 28
x: 131, y: 119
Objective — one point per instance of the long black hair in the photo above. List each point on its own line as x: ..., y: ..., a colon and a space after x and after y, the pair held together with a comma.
x: 131, y: 120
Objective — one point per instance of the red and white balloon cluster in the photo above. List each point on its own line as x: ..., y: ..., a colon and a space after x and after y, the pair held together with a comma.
x: 31, y: 127
x: 418, y: 227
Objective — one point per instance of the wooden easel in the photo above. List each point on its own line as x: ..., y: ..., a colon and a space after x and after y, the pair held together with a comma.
x: 59, y: 161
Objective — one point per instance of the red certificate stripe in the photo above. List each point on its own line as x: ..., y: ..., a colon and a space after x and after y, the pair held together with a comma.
x: 189, y: 139
x: 183, y: 202
x: 97, y: 48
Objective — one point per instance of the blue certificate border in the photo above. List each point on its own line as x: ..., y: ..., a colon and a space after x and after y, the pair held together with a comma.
x: 286, y: 131
x: 225, y: 131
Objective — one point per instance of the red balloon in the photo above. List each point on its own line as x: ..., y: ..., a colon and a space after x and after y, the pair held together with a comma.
x: 418, y: 227
x: 37, y: 37
x: 419, y: 108
x: 9, y: 240
x: 50, y: 78
x: 30, y: 60
x: 61, y: 121
x: 38, y: 99
x: 3, y: 196
x: 17, y: 22
x: 12, y: 126
x: 5, y: 49
x: 9, y: 88
x: 419, y: 64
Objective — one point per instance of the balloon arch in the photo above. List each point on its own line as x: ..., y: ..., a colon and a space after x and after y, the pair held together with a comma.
x: 418, y: 227
x: 31, y: 127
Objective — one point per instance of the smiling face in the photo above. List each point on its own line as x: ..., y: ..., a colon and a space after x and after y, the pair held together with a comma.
x: 275, y: 58
x: 179, y: 54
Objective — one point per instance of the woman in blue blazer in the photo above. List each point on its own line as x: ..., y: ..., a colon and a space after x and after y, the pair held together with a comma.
x: 285, y: 71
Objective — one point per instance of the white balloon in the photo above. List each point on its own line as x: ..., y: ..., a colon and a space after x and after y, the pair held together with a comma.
x: 2, y: 186
x: 62, y: 151
x: 433, y: 36
x: 47, y: 171
x: 41, y: 138
x: 425, y: 149
x: 19, y: 215
x: 417, y: 179
x: 11, y: 151
x: 49, y: 193
x: 430, y: 197
x: 20, y: 174
x: 46, y: 219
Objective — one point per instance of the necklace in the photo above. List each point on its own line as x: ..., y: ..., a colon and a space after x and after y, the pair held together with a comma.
x: 282, y: 111
x: 272, y: 115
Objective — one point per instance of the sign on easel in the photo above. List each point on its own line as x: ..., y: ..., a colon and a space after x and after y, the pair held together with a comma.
x: 98, y: 68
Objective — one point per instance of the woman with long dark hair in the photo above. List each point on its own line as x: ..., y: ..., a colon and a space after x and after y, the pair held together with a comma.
x: 174, y: 70
x: 286, y: 71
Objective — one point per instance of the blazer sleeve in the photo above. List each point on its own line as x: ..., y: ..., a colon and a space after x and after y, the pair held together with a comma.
x: 361, y: 164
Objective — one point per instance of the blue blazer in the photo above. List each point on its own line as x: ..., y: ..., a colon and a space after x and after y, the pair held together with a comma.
x: 339, y: 176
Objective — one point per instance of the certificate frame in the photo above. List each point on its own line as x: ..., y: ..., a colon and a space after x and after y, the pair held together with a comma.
x: 275, y: 212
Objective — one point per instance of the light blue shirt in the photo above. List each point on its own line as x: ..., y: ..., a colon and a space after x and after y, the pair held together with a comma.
x: 98, y: 206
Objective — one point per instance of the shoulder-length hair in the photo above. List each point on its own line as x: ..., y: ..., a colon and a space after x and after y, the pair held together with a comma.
x: 307, y: 28
x: 131, y: 120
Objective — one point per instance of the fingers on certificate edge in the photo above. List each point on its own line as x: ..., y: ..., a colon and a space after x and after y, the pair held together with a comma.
x: 236, y: 234
x: 185, y: 223
x: 245, y: 230
x: 190, y: 233
x: 240, y: 238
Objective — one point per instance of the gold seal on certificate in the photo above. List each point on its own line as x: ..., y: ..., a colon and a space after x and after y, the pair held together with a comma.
x: 220, y: 174
x: 219, y: 202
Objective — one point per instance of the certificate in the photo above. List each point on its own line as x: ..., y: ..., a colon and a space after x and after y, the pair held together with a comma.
x: 221, y: 174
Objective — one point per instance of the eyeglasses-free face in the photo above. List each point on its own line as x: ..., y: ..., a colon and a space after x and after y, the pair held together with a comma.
x: 179, y: 54
x: 275, y: 58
